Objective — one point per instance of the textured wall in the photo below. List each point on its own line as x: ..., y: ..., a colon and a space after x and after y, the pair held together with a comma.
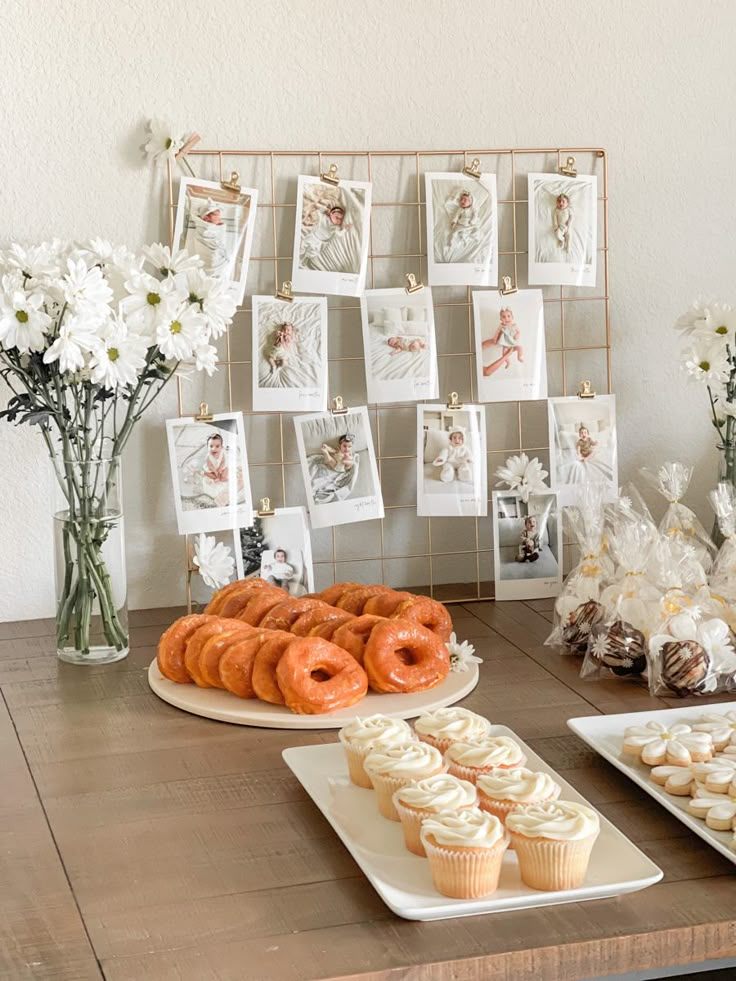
x: 652, y: 82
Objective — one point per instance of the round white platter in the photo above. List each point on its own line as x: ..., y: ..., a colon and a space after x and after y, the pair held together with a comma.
x: 213, y: 703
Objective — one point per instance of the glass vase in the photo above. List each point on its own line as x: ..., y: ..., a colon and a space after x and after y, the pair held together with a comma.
x: 726, y: 474
x: 89, y: 552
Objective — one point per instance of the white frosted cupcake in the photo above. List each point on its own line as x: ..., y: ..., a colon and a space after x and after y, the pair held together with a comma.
x: 360, y: 736
x: 502, y: 791
x: 465, y: 851
x: 451, y: 725
x: 393, y: 766
x: 471, y: 760
x: 419, y: 800
x: 553, y: 842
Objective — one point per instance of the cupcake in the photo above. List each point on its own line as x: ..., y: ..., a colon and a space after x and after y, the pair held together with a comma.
x: 502, y: 791
x: 426, y: 797
x: 360, y: 736
x: 553, y: 842
x: 451, y: 725
x: 392, y: 766
x: 465, y: 851
x: 470, y: 760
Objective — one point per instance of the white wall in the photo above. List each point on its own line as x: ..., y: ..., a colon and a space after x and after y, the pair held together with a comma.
x: 650, y: 81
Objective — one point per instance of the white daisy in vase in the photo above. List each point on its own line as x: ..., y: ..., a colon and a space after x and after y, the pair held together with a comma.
x: 76, y: 339
x: 205, y: 358
x: 35, y: 263
x: 148, y: 302
x: 704, y: 361
x: 23, y: 322
x: 161, y: 147
x: 86, y: 290
x: 181, y: 333
x: 717, y: 324
x: 119, y: 358
x: 167, y: 264
x: 215, y: 296
x: 462, y: 655
x: 213, y: 560
x: 522, y: 475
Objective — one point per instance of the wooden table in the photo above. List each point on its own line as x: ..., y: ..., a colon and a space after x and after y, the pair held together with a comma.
x: 138, y: 842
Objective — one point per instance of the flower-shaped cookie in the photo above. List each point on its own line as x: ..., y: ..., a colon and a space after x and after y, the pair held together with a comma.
x: 718, y: 813
x: 677, y: 745
x: 676, y: 780
x: 717, y: 776
x: 722, y: 729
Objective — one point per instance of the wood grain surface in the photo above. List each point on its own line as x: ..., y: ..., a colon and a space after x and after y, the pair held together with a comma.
x: 138, y: 842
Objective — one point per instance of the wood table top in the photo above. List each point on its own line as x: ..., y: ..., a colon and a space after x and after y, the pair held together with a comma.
x: 139, y: 842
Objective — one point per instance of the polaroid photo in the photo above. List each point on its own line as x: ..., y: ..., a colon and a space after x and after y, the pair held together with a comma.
x: 452, y: 471
x: 209, y: 470
x: 582, y: 446
x: 563, y: 213
x: 528, y: 546
x: 399, y: 345
x: 339, y: 467
x: 462, y: 229
x: 217, y: 225
x: 331, y: 237
x: 277, y: 548
x: 289, y: 354
x: 510, y: 353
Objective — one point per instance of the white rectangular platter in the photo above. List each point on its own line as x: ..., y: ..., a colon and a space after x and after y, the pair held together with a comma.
x: 403, y: 880
x: 605, y: 734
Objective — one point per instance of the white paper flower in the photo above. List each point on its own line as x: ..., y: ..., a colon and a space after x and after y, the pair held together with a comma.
x: 160, y: 257
x: 120, y: 357
x: 161, y: 146
x: 214, y: 561
x: 523, y: 475
x: 76, y: 339
x: 181, y: 333
x: 705, y: 361
x: 462, y: 655
x: 599, y: 648
x: 86, y: 290
x: 23, y: 322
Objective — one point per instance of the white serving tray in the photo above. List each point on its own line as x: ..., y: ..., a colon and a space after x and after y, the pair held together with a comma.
x: 403, y: 880
x: 605, y: 734
x: 214, y: 703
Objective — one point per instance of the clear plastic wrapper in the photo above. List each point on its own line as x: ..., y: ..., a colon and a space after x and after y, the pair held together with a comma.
x: 692, y: 655
x: 679, y: 524
x: 723, y: 573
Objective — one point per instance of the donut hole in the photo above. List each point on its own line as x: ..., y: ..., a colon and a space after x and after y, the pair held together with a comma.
x: 319, y: 674
x: 405, y: 655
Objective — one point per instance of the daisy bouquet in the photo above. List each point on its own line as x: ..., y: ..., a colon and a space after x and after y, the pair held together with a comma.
x: 89, y: 337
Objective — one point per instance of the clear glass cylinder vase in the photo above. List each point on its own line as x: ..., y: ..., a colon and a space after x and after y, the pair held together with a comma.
x: 726, y: 474
x: 89, y: 553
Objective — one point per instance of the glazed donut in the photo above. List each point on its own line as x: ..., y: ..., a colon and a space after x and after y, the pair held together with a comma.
x: 304, y: 623
x: 213, y: 649
x: 354, y: 600
x: 353, y: 635
x: 332, y: 594
x: 403, y: 656
x: 384, y: 604
x: 428, y: 612
x: 172, y: 647
x: 236, y: 665
x: 316, y: 676
x: 287, y: 612
x: 240, y: 586
x: 235, y: 602
x: 327, y: 629
x: 264, y: 666
x: 258, y: 604
x: 195, y: 645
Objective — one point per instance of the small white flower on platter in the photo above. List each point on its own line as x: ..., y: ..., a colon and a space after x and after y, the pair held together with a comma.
x: 522, y: 475
x: 214, y: 561
x: 161, y: 146
x: 462, y: 655
x: 23, y: 322
x: 166, y: 264
x: 704, y: 361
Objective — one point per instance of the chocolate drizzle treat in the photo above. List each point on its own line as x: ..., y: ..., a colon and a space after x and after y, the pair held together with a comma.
x: 684, y: 667
x: 620, y: 647
x: 579, y: 623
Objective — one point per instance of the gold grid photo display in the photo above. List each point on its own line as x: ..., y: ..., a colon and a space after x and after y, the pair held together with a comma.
x: 449, y: 558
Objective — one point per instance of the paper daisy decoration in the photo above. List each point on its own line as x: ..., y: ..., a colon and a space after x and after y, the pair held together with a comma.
x: 522, y: 475
x: 213, y: 560
x: 462, y: 655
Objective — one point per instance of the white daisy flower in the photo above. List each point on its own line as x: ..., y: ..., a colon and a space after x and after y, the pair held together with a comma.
x: 119, y: 358
x: 706, y: 362
x: 148, y: 302
x: 205, y: 358
x: 214, y: 561
x: 23, y: 322
x: 181, y: 333
x: 219, y: 306
x: 86, y: 290
x: 462, y: 655
x: 523, y: 475
x: 35, y: 263
x: 76, y: 339
x: 717, y: 323
x: 166, y: 264
x: 161, y: 146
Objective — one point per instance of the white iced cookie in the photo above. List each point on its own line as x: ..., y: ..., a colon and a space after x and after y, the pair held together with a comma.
x: 655, y: 743
x: 471, y: 828
x: 721, y: 728
x: 676, y: 780
x: 718, y: 813
x: 561, y: 820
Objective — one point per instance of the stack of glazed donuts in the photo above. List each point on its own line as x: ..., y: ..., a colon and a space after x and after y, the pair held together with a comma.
x: 315, y: 654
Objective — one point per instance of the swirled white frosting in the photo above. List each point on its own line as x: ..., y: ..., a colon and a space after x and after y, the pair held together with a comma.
x: 363, y: 733
x: 486, y: 753
x: 563, y: 820
x: 519, y: 785
x: 408, y: 759
x: 471, y: 827
x: 453, y: 723
x: 438, y: 793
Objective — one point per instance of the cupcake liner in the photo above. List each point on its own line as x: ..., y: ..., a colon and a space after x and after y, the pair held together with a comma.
x: 465, y: 873
x: 441, y: 744
x: 386, y: 786
x: 355, y: 757
x: 411, y: 823
x: 547, y: 863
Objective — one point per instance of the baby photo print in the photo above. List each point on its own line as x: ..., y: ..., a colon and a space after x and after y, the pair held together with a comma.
x: 582, y: 446
x: 331, y: 237
x: 209, y: 471
x: 528, y: 546
x: 452, y: 475
x: 462, y: 229
x: 277, y: 548
x: 399, y: 345
x: 217, y: 225
x: 339, y: 467
x: 289, y: 354
x: 562, y: 230
x: 510, y: 353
